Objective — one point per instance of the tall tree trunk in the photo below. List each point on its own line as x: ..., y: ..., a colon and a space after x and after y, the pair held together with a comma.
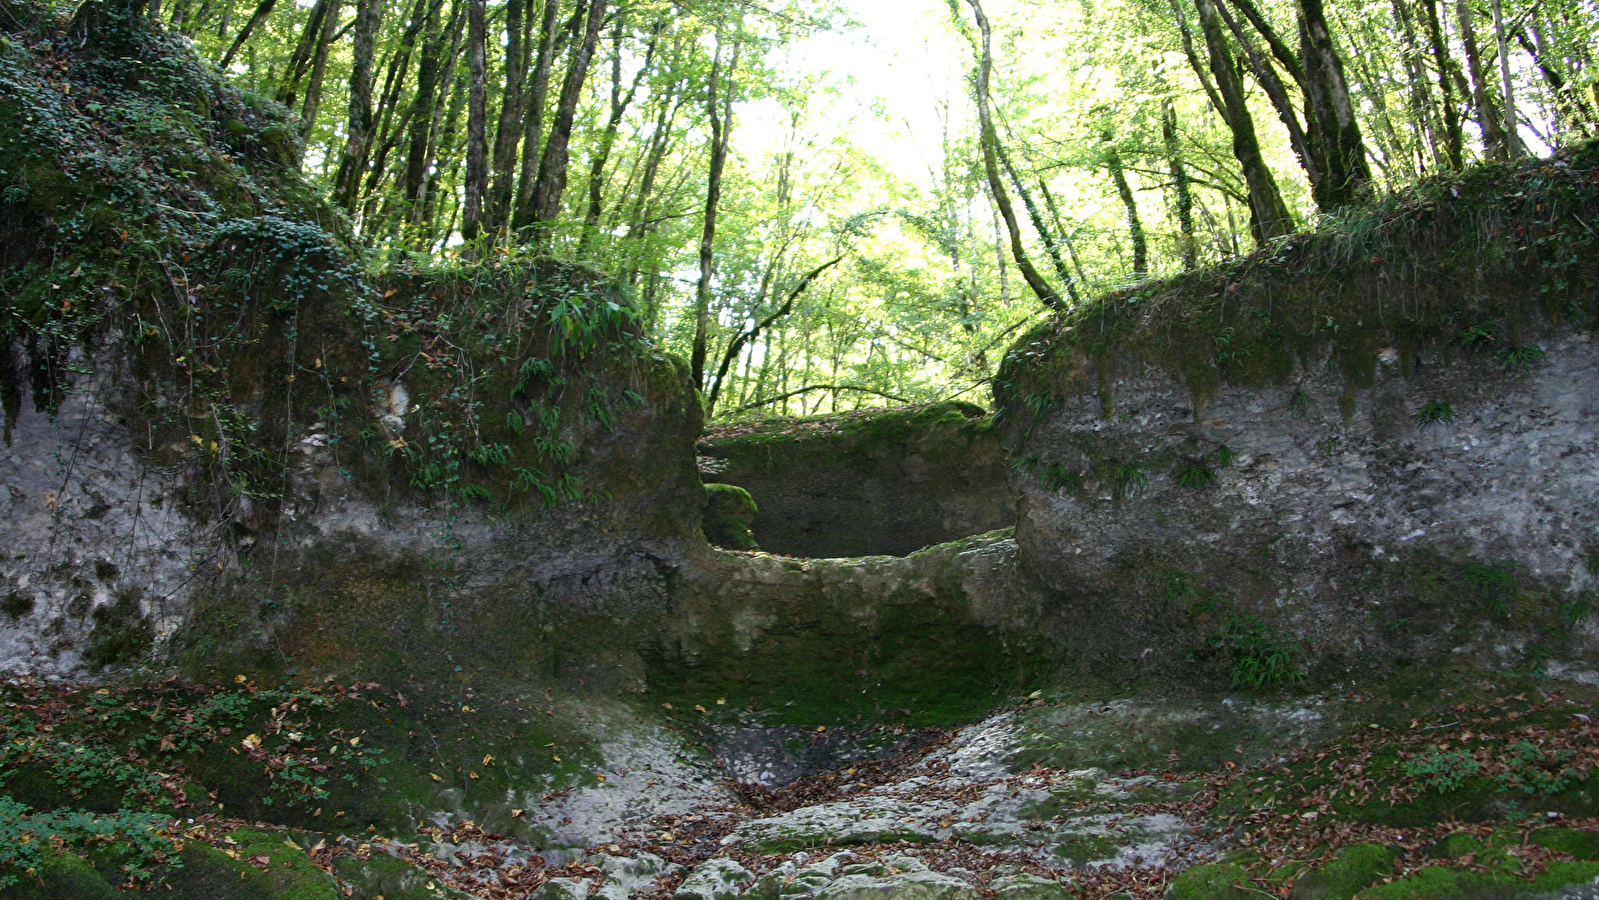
x: 1513, y: 145
x: 262, y: 10
x: 358, y: 128
x: 1493, y: 132
x: 1124, y: 190
x: 719, y: 111
x: 552, y: 165
x: 989, y: 139
x: 423, y: 18
x: 439, y: 55
x: 319, y: 66
x: 619, y: 104
x: 509, y: 129
x: 1045, y: 233
x: 533, y: 119
x: 477, y: 120
x: 1187, y: 246
x: 1268, y: 214
x: 1420, y: 100
x: 1454, y: 138
x: 1305, y: 140
x: 1327, y: 101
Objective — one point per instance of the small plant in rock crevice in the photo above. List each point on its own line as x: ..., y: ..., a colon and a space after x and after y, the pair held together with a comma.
x: 1434, y: 412
x: 1254, y: 654
x: 1522, y: 358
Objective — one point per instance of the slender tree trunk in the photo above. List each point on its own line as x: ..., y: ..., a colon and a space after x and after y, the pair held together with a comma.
x: 509, y: 129
x: 553, y: 164
x: 319, y: 65
x: 433, y: 74
x: 719, y: 111
x: 748, y: 337
x: 1420, y: 101
x: 1513, y: 145
x: 1045, y: 233
x: 1454, y: 138
x: 424, y: 17
x: 262, y: 10
x: 619, y: 105
x: 358, y: 134
x: 1124, y: 190
x: 477, y: 120
x: 1187, y: 246
x: 1306, y: 143
x: 996, y: 184
x: 533, y: 120
x: 1493, y: 131
x: 1268, y: 214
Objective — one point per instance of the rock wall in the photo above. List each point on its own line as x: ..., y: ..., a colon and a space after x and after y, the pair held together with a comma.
x: 874, y: 482
x: 1303, y: 460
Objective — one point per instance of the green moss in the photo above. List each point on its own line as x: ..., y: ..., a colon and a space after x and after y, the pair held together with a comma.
x: 729, y: 512
x: 1445, y: 883
x: 1212, y: 881
x: 210, y: 874
x: 390, y: 878
x: 121, y: 632
x: 1581, y: 844
x: 1351, y: 869
x: 61, y: 876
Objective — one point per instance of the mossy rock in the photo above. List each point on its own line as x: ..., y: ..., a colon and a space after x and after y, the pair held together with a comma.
x: 1350, y: 870
x: 1212, y: 881
x: 210, y: 874
x: 1446, y: 883
x: 729, y: 512
x: 61, y: 876
x: 390, y: 878
x: 1581, y: 844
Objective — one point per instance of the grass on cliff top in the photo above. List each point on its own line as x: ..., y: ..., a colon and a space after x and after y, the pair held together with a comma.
x: 1481, y: 261
x: 875, y: 426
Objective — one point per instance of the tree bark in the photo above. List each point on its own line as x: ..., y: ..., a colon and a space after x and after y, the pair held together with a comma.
x: 1493, y: 132
x: 619, y: 105
x: 319, y: 64
x: 1454, y: 138
x: 358, y: 134
x: 989, y: 139
x: 477, y: 145
x: 1124, y: 190
x: 533, y: 119
x: 1187, y: 245
x: 508, y: 131
x: 1268, y: 214
x: 719, y: 111
x: 1513, y: 145
x: 431, y: 98
x: 1348, y: 178
x: 262, y: 10
x: 553, y: 164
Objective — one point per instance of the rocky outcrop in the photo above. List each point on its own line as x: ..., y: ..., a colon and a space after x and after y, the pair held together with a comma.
x: 1296, y: 459
x: 865, y: 483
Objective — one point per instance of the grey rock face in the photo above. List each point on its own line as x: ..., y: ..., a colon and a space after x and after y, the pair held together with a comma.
x: 717, y: 879
x: 1337, y: 505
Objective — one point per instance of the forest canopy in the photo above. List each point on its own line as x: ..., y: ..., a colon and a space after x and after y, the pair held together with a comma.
x: 823, y: 205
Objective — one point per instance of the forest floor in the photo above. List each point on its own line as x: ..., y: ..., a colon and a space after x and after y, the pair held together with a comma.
x: 1436, y: 787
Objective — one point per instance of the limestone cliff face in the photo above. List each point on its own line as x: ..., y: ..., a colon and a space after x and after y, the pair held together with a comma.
x: 1358, y: 451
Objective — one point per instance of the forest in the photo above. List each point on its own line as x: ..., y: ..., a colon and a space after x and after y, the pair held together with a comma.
x: 808, y: 242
